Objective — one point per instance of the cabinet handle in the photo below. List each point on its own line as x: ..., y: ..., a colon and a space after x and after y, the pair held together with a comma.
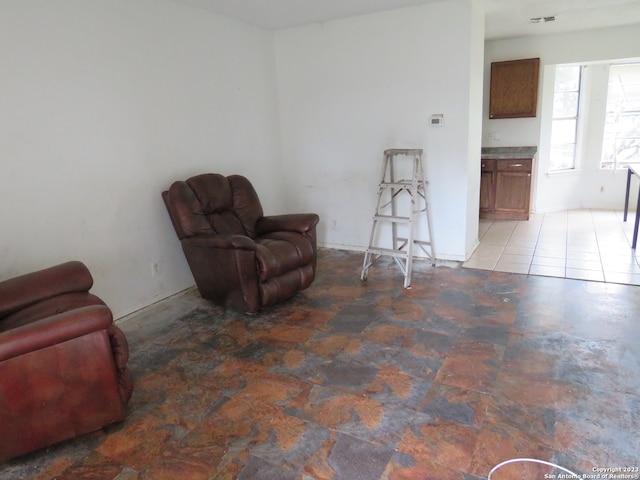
x: 516, y: 165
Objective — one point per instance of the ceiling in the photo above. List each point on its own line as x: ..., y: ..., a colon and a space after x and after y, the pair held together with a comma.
x: 504, y: 18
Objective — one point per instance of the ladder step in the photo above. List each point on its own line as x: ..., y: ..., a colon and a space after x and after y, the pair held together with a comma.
x: 390, y: 218
x: 403, y: 151
x: 387, y: 251
x: 419, y: 184
x: 416, y: 242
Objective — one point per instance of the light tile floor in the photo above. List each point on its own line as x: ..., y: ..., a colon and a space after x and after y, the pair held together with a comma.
x: 582, y: 244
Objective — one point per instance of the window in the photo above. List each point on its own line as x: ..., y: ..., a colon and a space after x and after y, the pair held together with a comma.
x: 564, y: 124
x: 621, y: 141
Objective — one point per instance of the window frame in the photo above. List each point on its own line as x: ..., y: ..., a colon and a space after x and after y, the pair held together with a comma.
x: 615, y: 164
x: 576, y: 118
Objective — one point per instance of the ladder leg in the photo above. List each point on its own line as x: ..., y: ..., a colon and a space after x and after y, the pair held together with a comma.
x: 427, y: 207
x: 368, y: 255
x: 431, y: 240
x: 409, y: 264
x: 367, y: 262
x: 392, y: 180
x: 412, y: 223
x: 365, y: 267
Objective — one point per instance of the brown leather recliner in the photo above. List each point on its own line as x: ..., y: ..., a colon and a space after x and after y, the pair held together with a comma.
x: 239, y: 257
x: 62, y: 361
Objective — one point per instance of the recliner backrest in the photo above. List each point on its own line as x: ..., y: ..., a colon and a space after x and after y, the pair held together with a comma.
x: 212, y: 203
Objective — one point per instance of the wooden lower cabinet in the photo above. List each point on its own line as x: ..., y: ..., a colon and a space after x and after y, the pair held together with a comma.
x: 487, y: 187
x: 505, y: 188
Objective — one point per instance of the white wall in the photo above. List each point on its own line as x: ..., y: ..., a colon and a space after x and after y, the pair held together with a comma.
x: 351, y: 88
x: 102, y: 105
x: 588, y: 187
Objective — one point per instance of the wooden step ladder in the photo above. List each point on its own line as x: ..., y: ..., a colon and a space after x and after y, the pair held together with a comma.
x: 400, y: 218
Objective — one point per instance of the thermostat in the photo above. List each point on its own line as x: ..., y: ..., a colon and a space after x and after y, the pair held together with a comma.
x: 437, y: 120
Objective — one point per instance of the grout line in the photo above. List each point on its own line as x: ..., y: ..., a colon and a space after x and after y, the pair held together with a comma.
x: 536, y: 244
x: 595, y: 232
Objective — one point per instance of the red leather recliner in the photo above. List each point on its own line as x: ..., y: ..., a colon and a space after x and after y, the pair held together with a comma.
x: 62, y: 361
x: 239, y: 257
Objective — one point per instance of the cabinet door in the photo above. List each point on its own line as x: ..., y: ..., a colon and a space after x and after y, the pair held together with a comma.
x: 513, y: 91
x: 487, y: 190
x: 513, y: 189
x: 487, y: 186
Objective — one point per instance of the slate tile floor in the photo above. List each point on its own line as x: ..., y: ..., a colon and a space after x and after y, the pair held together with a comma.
x: 353, y: 381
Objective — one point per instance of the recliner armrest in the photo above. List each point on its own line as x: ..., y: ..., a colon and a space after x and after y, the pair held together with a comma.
x: 294, y: 222
x: 241, y: 242
x: 20, y: 292
x: 53, y: 330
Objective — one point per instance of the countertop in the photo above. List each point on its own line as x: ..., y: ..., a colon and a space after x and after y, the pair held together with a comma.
x: 508, y: 152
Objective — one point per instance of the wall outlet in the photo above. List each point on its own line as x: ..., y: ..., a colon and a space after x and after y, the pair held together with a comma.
x: 334, y: 224
x: 155, y: 269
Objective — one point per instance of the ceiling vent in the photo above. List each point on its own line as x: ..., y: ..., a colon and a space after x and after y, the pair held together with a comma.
x: 542, y: 19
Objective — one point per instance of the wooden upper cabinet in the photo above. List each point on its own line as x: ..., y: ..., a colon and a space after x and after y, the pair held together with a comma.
x: 514, y: 88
